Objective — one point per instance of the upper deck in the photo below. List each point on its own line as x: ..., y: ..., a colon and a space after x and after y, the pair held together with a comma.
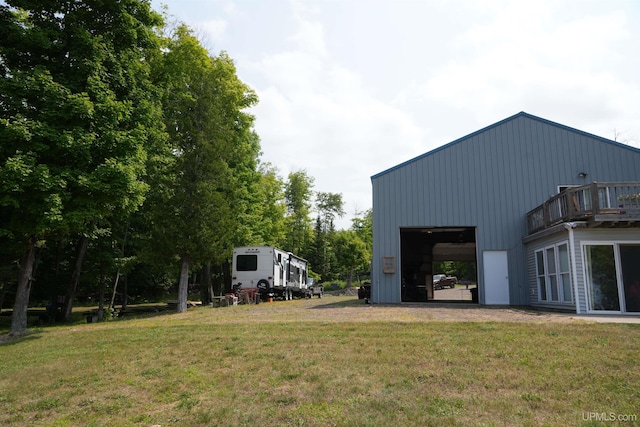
x: 598, y: 203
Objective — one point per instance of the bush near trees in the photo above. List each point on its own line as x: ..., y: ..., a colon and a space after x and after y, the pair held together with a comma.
x: 129, y: 165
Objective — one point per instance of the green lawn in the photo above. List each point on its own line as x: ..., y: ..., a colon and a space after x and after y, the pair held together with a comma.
x: 295, y: 363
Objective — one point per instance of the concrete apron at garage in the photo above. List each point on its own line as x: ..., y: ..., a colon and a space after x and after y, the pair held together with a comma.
x: 452, y: 295
x: 599, y: 318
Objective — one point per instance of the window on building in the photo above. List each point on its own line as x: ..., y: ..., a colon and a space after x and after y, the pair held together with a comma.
x: 552, y: 274
x: 564, y: 277
x: 554, y: 280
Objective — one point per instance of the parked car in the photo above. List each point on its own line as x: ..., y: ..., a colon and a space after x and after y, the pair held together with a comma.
x: 441, y: 281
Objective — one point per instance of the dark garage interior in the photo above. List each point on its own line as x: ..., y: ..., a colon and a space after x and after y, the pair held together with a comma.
x: 423, y: 248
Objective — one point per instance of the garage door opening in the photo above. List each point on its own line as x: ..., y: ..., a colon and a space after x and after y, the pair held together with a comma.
x: 438, y: 264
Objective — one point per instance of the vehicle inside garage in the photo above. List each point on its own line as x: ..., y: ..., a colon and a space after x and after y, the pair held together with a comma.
x: 427, y: 249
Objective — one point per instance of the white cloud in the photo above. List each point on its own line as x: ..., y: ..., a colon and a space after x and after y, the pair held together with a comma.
x: 528, y: 59
x: 216, y: 29
x: 319, y: 116
x: 348, y: 89
x: 310, y: 38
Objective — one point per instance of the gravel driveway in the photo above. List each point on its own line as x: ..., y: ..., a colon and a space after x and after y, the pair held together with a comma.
x: 351, y: 309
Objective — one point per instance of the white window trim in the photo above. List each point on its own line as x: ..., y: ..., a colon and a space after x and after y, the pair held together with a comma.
x: 557, y: 274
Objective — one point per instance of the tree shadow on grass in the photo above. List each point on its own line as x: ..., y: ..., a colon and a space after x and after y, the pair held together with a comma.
x: 8, y: 339
x: 343, y: 303
x: 84, y: 315
x: 144, y: 312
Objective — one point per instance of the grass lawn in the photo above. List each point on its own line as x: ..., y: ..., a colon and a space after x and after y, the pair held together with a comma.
x: 324, y: 362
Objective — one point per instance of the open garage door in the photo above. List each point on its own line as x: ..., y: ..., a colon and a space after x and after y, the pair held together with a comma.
x: 427, y: 253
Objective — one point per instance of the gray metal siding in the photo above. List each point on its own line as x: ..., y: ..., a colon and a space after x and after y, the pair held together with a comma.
x: 386, y: 204
x: 489, y: 180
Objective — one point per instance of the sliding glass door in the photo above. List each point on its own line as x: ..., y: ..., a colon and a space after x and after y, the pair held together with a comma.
x: 601, y: 277
x: 630, y: 263
x: 613, y: 277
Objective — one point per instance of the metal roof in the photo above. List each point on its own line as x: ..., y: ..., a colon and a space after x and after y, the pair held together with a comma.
x: 501, y: 122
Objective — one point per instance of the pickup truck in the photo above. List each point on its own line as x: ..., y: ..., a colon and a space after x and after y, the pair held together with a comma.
x: 441, y: 281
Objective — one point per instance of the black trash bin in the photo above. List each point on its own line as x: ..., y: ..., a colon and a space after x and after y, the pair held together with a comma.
x: 474, y: 295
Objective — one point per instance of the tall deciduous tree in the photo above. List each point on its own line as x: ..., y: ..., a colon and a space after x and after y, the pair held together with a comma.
x: 298, y: 194
x: 328, y: 206
x: 76, y: 113
x: 362, y: 225
x: 268, y: 208
x: 211, y: 138
x: 351, y: 252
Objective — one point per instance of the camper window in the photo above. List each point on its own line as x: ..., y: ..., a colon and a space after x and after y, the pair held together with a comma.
x: 247, y: 262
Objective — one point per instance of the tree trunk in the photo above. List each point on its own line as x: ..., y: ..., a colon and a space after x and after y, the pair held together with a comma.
x: 115, y: 284
x: 19, y: 316
x: 226, y: 276
x: 350, y: 280
x: 115, y: 288
x: 103, y: 282
x: 75, y: 277
x: 183, y: 285
x: 206, y: 289
x: 125, y: 293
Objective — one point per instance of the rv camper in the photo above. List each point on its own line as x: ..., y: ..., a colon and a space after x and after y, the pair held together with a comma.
x: 271, y: 272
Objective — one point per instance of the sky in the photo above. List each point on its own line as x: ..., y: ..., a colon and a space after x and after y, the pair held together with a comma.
x: 350, y: 88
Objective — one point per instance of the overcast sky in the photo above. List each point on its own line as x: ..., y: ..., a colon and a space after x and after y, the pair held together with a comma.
x: 350, y: 88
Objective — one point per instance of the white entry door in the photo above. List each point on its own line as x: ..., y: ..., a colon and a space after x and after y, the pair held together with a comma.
x: 496, y: 277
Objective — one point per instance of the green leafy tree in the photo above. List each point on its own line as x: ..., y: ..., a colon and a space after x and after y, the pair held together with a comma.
x: 76, y: 114
x: 328, y: 206
x: 213, y: 145
x: 351, y: 253
x: 298, y: 194
x: 460, y: 269
x: 362, y: 225
x: 318, y: 252
x: 270, y: 207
